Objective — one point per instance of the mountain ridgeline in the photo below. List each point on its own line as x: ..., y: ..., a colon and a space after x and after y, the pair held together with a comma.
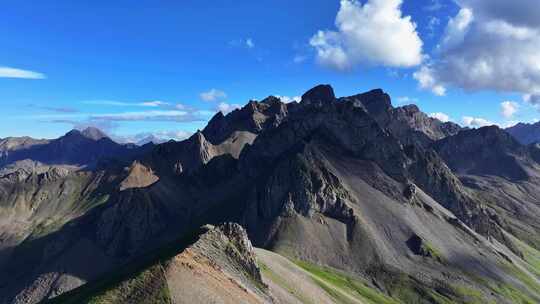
x: 347, y: 200
x: 526, y: 133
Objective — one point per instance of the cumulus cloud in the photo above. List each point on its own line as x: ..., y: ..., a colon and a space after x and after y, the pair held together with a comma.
x: 518, y: 12
x: 426, y: 80
x: 475, y: 122
x: 249, y: 43
x: 287, y: 99
x: 8, y: 72
x: 440, y: 116
x: 488, y: 45
x: 369, y: 33
x: 213, y: 95
x: 509, y: 108
x: 226, y: 107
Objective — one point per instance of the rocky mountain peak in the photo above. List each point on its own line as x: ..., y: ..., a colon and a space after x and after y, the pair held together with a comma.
x: 89, y: 133
x: 321, y: 94
x: 375, y: 101
x: 93, y: 133
x: 271, y: 100
x: 255, y: 117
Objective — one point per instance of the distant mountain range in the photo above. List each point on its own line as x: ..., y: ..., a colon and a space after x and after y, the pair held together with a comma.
x: 526, y: 133
x: 345, y: 199
x: 77, y: 148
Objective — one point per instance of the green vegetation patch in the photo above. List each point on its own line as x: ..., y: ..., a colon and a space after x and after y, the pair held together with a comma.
x: 278, y: 280
x: 530, y: 255
x: 531, y: 284
x: 401, y: 288
x: 433, y: 252
x: 331, y: 280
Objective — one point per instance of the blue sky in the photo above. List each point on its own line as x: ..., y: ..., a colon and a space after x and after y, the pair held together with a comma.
x: 164, y: 67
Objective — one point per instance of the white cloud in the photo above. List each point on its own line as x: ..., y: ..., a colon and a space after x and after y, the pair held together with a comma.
x: 287, y: 99
x: 457, y: 28
x: 213, y: 95
x: 490, y: 45
x: 249, y: 43
x: 508, y: 109
x: 426, y: 80
x: 226, y: 108
x: 8, y: 72
x: 370, y: 33
x: 440, y: 116
x: 475, y: 122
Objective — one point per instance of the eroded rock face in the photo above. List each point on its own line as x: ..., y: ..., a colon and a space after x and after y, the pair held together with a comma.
x: 255, y: 117
x: 407, y: 123
x: 241, y: 250
x: 488, y: 150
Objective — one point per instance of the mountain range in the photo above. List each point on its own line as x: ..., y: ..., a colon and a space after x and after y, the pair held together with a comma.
x: 326, y: 200
x: 526, y: 133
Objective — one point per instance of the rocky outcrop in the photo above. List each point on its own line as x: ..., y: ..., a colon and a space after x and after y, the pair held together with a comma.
x: 318, y: 95
x: 138, y: 176
x: 219, y: 267
x: 407, y: 123
x: 255, y: 117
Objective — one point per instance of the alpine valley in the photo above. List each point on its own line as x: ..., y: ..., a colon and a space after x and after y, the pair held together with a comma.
x: 326, y: 200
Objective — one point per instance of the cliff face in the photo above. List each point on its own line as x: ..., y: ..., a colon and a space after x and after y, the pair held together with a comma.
x: 386, y: 194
